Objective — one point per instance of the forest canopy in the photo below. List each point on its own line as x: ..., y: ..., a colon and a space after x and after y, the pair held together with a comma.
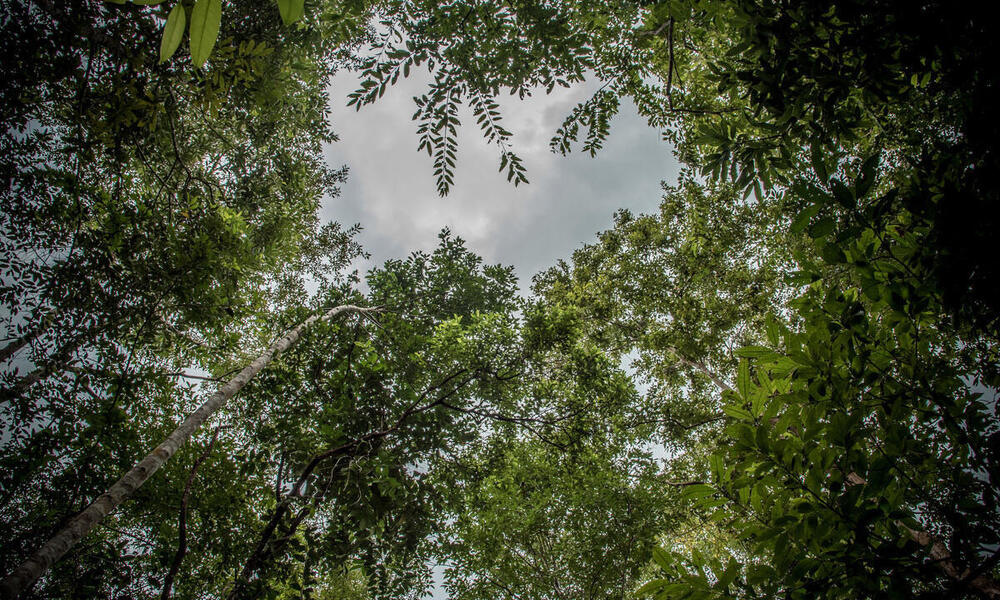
x: 781, y: 384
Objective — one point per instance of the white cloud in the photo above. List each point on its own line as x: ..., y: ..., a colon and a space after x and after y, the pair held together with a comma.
x: 391, y: 189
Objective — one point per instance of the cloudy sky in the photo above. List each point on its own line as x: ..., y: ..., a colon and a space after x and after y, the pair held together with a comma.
x: 391, y: 189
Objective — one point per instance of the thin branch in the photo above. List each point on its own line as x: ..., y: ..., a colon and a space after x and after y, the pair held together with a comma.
x: 182, y: 520
x: 701, y: 367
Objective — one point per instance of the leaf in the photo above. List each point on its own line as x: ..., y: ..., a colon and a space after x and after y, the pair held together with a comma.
x: 652, y: 587
x: 661, y: 557
x: 737, y: 413
x: 754, y: 352
x: 773, y: 330
x: 866, y: 179
x: 802, y: 220
x: 729, y: 574
x: 173, y: 32
x: 818, y: 165
x: 205, y: 20
x: 692, y: 492
x: 822, y: 228
x: 743, y: 378
x: 291, y: 10
x: 843, y: 195
x: 832, y: 254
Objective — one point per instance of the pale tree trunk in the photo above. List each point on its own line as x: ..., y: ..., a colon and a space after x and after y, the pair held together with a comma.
x: 28, y: 572
x: 718, y: 381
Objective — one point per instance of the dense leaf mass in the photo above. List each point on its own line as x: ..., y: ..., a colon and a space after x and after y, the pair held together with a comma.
x: 781, y: 384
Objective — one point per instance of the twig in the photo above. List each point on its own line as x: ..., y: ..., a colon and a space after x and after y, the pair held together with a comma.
x: 182, y: 520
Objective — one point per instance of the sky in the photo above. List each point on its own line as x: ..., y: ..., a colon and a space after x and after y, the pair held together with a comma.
x: 391, y: 190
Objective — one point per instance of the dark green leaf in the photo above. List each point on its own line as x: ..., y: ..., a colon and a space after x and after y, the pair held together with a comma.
x: 205, y: 20
x: 173, y: 32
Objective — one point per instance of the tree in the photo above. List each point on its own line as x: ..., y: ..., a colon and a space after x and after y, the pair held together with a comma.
x: 857, y: 462
x: 864, y: 131
x: 674, y: 294
x: 145, y: 211
x: 533, y: 521
x: 51, y: 551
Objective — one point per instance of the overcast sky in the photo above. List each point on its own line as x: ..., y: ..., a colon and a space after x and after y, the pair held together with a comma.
x: 391, y: 189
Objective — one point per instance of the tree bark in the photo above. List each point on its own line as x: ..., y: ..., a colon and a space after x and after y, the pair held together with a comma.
x: 701, y: 367
x: 29, y: 571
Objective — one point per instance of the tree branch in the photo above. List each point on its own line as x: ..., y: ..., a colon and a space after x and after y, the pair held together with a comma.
x: 168, y: 581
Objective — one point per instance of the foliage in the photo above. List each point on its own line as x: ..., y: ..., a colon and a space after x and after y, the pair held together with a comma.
x: 538, y: 523
x: 856, y: 445
x: 806, y: 336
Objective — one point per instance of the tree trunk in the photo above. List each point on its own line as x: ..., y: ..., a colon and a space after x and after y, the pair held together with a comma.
x: 701, y: 367
x: 12, y: 348
x: 33, y: 568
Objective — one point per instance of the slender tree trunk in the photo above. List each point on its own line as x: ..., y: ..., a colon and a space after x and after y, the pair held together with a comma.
x: 718, y: 381
x: 28, y: 572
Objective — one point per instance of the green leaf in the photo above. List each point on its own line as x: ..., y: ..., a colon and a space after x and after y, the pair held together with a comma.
x: 822, y: 228
x: 692, y: 492
x: 843, y: 195
x: 743, y: 378
x: 205, y: 20
x: 832, y: 254
x: 773, y: 330
x: 754, y: 352
x: 818, y: 165
x: 291, y: 10
x: 661, y: 557
x: 802, y: 220
x: 866, y: 179
x: 651, y: 587
x: 173, y: 32
x: 737, y: 413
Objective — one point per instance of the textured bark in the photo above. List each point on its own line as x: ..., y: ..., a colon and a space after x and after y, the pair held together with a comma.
x: 28, y: 572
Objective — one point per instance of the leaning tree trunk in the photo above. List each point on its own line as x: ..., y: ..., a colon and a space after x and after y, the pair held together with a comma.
x: 33, y: 568
x: 29, y: 336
